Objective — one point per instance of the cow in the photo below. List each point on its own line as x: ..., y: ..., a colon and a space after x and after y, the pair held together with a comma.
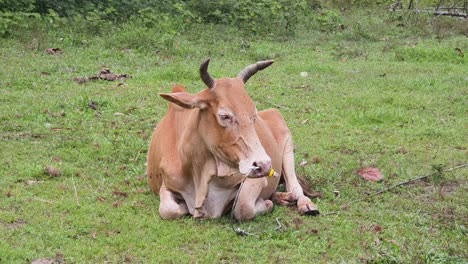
x: 213, y: 148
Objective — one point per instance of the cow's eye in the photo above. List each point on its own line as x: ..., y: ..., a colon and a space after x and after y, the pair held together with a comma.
x: 226, y: 118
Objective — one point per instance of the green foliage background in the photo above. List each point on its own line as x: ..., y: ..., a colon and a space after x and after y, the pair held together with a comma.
x: 258, y: 17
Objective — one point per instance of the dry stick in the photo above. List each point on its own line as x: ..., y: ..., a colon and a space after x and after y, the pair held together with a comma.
x: 416, y: 179
x: 401, y: 184
x: 76, y: 192
x: 42, y: 200
x: 280, y: 226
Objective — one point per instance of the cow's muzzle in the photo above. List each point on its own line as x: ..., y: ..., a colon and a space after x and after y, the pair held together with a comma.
x: 260, y: 169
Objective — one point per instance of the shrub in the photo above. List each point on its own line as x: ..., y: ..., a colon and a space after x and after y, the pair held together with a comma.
x: 10, y: 22
x: 257, y: 17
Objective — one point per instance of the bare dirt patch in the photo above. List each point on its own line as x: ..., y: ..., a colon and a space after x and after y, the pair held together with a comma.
x: 18, y: 223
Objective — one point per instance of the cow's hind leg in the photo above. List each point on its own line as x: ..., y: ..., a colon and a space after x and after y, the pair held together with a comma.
x: 169, y: 207
x: 295, y: 192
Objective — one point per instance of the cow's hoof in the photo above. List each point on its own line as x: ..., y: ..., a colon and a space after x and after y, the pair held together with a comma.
x: 199, y: 214
x: 312, y: 212
x: 306, y: 207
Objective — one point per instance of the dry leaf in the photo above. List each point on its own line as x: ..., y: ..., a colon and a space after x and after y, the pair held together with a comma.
x: 52, y: 171
x: 92, y: 105
x: 303, y: 163
x: 53, y: 51
x: 119, y: 193
x: 377, y: 228
x: 108, y: 76
x: 394, y: 242
x: 32, y: 182
x: 370, y: 174
x: 81, y: 79
x: 141, y: 177
x: 104, y: 74
x: 401, y: 150
x: 9, y: 193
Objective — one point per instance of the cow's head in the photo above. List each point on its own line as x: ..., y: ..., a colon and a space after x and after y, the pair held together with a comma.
x: 227, y: 120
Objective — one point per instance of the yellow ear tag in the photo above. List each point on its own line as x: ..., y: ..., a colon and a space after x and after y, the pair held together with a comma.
x: 272, y: 172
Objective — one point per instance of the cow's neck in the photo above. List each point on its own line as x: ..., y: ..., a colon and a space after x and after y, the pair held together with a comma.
x: 198, y: 155
x: 190, y: 143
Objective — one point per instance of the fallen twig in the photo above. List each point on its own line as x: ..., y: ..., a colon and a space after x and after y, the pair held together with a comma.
x: 416, y: 179
x: 401, y: 184
x: 242, y: 232
x: 280, y: 226
x: 42, y: 200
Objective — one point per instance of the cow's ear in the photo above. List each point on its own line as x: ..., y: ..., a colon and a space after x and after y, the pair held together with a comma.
x: 185, y: 100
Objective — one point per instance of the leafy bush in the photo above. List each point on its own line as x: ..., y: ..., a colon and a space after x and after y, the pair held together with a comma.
x: 359, y: 3
x: 327, y: 20
x: 17, y: 5
x: 279, y: 16
x: 274, y: 18
x: 10, y: 21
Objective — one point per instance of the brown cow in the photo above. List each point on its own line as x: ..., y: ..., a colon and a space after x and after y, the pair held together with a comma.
x: 208, y: 142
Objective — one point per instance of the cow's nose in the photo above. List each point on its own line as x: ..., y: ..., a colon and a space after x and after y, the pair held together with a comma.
x: 261, y: 168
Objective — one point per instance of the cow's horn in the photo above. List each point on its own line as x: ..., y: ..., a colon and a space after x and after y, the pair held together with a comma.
x: 250, y: 70
x: 204, y: 75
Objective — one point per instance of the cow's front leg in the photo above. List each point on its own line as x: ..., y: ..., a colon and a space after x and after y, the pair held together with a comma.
x: 202, y: 183
x: 169, y: 208
x: 249, y: 204
x: 295, y: 192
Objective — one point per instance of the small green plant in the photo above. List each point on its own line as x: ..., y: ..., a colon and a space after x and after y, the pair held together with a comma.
x: 11, y: 22
x: 328, y: 20
x: 438, y: 175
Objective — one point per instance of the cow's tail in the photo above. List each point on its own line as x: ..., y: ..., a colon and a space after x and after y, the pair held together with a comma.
x: 306, y: 187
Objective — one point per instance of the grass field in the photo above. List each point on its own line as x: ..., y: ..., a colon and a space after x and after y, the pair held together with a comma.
x: 72, y: 171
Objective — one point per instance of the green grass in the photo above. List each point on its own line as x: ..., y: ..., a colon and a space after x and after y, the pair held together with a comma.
x: 396, y: 102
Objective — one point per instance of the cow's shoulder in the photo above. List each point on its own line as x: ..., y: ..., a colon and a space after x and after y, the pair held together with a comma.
x: 275, y: 123
x: 273, y: 118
